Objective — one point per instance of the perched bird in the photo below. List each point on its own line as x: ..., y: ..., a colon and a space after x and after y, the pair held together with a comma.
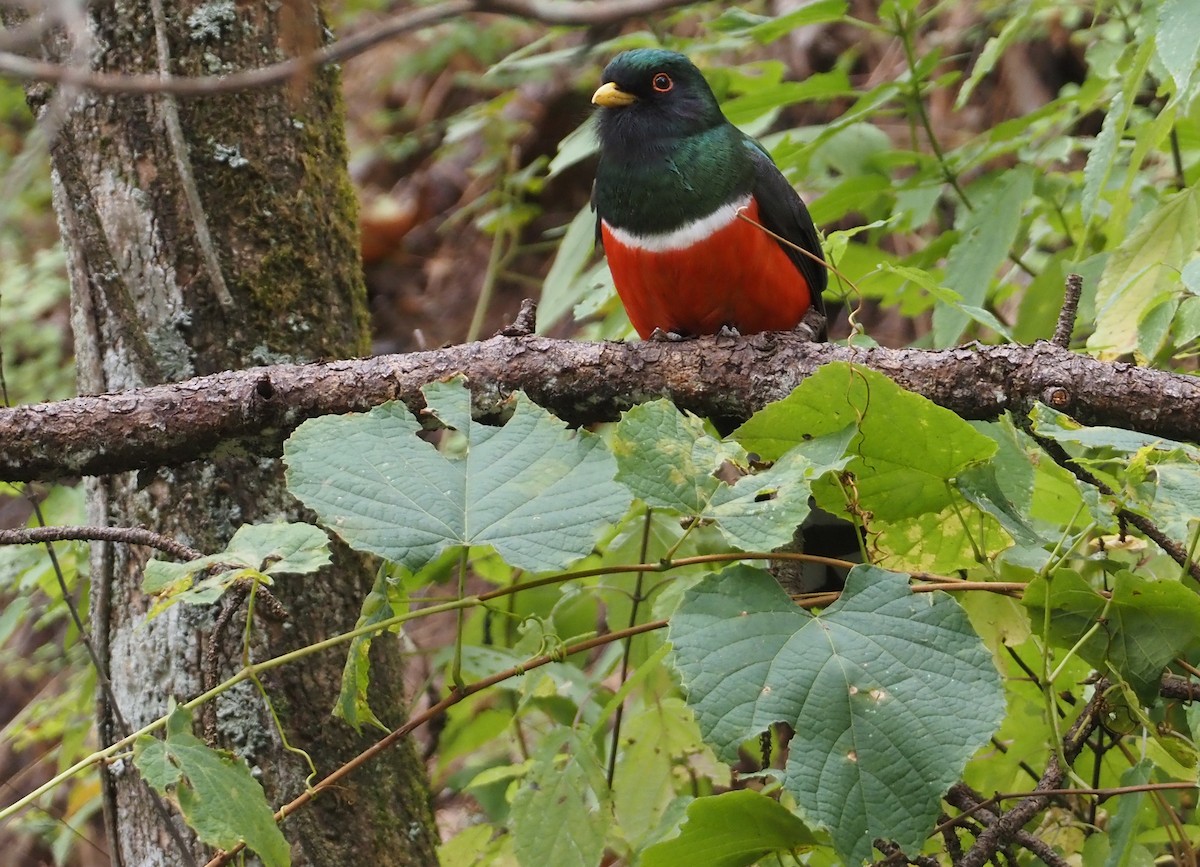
x: 674, y: 175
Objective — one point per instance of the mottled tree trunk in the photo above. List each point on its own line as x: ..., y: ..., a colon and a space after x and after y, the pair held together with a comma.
x: 269, y: 167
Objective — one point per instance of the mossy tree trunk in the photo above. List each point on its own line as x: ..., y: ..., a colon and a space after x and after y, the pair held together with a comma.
x: 269, y: 167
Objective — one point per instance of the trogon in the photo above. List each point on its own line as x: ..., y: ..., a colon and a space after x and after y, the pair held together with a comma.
x: 674, y: 181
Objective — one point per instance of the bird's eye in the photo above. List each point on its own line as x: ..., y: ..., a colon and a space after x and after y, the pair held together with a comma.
x: 662, y: 82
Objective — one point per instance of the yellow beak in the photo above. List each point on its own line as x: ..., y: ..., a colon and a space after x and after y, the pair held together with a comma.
x: 611, y: 96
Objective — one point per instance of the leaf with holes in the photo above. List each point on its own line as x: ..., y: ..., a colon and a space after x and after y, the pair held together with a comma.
x: 670, y: 461
x: 890, y: 692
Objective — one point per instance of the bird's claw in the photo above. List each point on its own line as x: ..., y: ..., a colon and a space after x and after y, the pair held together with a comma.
x: 728, y: 331
x: 666, y: 336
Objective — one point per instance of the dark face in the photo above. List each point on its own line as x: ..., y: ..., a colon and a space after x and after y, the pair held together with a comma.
x: 650, y: 94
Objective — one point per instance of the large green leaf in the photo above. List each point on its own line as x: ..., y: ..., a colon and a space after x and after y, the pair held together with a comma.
x: 731, y: 830
x: 1177, y: 44
x: 670, y: 461
x: 907, y: 449
x: 1143, y: 268
x: 533, y: 490
x: 1143, y: 626
x: 889, y: 693
x: 216, y: 792
x: 560, y: 812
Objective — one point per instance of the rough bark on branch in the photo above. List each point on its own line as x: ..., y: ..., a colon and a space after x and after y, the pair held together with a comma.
x: 254, y: 410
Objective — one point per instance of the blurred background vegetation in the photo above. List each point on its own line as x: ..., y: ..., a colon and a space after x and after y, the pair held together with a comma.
x: 961, y: 158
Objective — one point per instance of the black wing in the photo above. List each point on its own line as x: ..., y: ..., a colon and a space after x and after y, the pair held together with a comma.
x: 782, y: 211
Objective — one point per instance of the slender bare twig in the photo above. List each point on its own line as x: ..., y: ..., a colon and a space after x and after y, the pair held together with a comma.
x: 973, y: 804
x: 128, y: 535
x: 1147, y: 527
x: 1008, y: 825
x: 183, y: 164
x: 559, y: 12
x: 1070, y: 309
x: 455, y: 696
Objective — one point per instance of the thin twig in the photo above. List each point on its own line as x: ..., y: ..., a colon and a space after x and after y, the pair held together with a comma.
x: 128, y: 535
x: 1070, y: 309
x: 183, y: 164
x: 973, y: 804
x: 1147, y: 527
x: 557, y: 12
x: 1008, y: 825
x: 453, y: 698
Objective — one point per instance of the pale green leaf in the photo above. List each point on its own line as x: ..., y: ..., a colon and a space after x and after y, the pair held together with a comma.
x: 217, y: 794
x: 1143, y: 267
x: 576, y: 147
x: 1134, y: 634
x: 889, y: 693
x: 907, y: 449
x: 352, y: 705
x: 644, y: 779
x: 1177, y: 43
x: 1103, y: 155
x: 1015, y: 28
x: 667, y: 458
x: 670, y: 461
x: 533, y: 490
x: 562, y: 289
x: 560, y: 813
x: 763, y: 29
x: 279, y: 548
x: 733, y: 829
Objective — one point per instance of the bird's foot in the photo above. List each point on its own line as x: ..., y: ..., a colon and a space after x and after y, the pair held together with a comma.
x: 661, y: 336
x: 729, y: 331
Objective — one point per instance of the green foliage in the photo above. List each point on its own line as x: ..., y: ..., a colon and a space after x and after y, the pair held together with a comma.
x: 653, y: 752
x: 889, y: 692
x: 669, y: 461
x: 256, y: 553
x: 35, y: 351
x: 532, y: 490
x: 216, y: 792
x: 731, y: 830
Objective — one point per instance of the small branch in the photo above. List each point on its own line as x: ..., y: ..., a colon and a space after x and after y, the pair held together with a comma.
x: 1008, y: 825
x: 973, y: 804
x: 254, y: 410
x: 128, y: 535
x: 183, y: 164
x: 1070, y: 309
x: 559, y: 12
x: 1147, y: 527
x: 454, y: 697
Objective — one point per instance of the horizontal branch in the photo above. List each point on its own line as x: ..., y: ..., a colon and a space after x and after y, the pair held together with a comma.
x: 254, y: 410
x: 589, y: 13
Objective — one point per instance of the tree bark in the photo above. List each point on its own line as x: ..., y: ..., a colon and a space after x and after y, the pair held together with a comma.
x: 150, y: 307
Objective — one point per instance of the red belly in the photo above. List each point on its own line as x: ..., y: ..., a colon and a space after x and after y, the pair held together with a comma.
x: 737, y: 276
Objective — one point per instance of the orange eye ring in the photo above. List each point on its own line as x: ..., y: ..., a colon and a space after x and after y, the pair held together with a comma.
x: 661, y: 82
